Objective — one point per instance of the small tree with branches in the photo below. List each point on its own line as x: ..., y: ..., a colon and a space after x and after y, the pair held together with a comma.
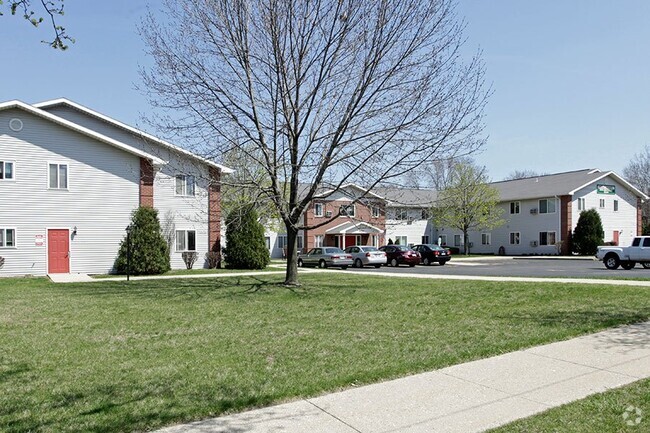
x: 52, y: 9
x: 315, y: 93
x: 468, y: 203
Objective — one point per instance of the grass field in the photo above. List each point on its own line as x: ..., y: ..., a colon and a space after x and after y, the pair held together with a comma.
x: 116, y: 356
x: 602, y: 413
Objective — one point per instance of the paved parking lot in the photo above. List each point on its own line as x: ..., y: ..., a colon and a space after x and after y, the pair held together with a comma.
x: 521, y: 267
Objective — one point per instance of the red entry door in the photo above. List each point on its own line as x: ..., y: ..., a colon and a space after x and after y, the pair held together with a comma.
x: 350, y: 240
x: 58, y: 251
x: 616, y: 233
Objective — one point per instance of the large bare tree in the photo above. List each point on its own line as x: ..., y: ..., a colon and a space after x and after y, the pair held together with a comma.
x: 315, y: 92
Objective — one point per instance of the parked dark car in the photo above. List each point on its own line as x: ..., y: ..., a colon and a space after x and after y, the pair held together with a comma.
x: 398, y: 254
x: 432, y: 253
x: 324, y: 257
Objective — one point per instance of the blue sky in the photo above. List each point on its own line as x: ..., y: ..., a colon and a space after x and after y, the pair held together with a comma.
x: 570, y: 78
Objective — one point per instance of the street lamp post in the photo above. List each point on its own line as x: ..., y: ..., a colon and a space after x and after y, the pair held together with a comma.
x: 128, y: 251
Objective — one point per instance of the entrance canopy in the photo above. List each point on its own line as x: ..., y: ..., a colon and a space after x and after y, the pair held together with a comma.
x: 353, y: 228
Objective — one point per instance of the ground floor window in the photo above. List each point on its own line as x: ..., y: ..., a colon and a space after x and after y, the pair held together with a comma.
x: 185, y: 240
x: 318, y: 241
x: 547, y: 238
x: 401, y: 240
x: 425, y: 239
x: 486, y: 239
x: 457, y: 240
x: 299, y: 242
x: 267, y: 241
x: 515, y: 238
x: 442, y: 240
x: 7, y: 238
x: 374, y: 240
x: 282, y: 241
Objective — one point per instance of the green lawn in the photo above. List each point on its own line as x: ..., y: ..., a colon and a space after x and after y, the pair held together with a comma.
x: 602, y: 413
x: 116, y: 356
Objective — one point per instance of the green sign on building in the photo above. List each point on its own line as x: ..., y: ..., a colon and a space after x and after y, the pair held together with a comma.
x: 601, y: 188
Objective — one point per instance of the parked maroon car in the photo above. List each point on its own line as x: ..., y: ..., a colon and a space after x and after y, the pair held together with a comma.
x: 398, y: 254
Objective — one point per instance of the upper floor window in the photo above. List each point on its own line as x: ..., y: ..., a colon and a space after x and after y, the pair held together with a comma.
x: 185, y: 240
x: 6, y: 170
x: 347, y: 210
x: 547, y: 205
x: 514, y: 207
x: 184, y: 184
x: 401, y: 214
x: 581, y: 204
x: 615, y: 205
x: 58, y: 176
x: 376, y: 211
x: 7, y: 238
x: 602, y: 203
x: 318, y: 209
x: 426, y: 214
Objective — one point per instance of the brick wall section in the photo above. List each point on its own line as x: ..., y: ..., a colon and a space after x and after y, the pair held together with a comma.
x: 639, y: 217
x: 146, y: 182
x: 363, y: 212
x: 214, y: 210
x: 566, y: 223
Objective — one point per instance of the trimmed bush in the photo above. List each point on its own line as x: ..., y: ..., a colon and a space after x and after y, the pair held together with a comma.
x: 189, y: 257
x: 149, y: 250
x: 245, y: 245
x: 588, y: 234
x: 213, y: 258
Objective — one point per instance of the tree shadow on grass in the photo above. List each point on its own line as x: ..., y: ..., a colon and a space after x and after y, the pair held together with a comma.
x: 582, y: 319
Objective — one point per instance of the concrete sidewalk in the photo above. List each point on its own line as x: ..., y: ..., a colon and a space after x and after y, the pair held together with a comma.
x: 470, y: 397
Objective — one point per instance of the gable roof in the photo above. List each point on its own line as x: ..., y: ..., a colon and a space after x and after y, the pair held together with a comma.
x: 66, y: 102
x: 80, y: 129
x: 408, y: 197
x: 550, y: 185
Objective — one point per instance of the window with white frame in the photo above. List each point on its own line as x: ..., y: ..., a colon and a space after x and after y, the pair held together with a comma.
x: 318, y: 241
x: 282, y: 241
x: 401, y: 240
x: 602, y: 203
x: 267, y: 241
x: 185, y: 185
x: 457, y: 240
x: 515, y: 207
x: 58, y: 176
x: 547, y: 238
x: 7, y: 238
x: 426, y: 214
x: 299, y: 242
x: 376, y: 212
x: 547, y: 205
x: 581, y: 204
x: 6, y: 170
x: 347, y: 210
x: 401, y: 214
x: 425, y: 239
x: 443, y: 239
x: 615, y: 205
x: 515, y: 238
x: 318, y: 209
x: 185, y: 240
x: 486, y: 239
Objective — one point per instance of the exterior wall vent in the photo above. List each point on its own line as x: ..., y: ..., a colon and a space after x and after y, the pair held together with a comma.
x: 533, y: 211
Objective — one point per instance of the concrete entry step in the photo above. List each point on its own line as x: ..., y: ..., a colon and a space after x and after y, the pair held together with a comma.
x: 69, y: 278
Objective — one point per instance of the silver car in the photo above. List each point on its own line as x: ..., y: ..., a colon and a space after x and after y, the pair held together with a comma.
x: 366, y: 255
x: 324, y: 257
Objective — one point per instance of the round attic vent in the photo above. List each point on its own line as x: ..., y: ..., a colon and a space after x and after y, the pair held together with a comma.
x: 16, y: 125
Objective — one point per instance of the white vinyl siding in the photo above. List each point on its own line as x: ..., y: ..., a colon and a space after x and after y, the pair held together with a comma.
x: 99, y: 203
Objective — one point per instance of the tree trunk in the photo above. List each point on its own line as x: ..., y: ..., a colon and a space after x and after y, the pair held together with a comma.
x: 466, y: 242
x: 291, y: 278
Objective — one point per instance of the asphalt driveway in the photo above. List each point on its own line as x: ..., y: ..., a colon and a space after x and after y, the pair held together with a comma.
x: 521, y: 267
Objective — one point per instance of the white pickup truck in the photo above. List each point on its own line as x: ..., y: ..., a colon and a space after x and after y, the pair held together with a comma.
x: 627, y: 257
